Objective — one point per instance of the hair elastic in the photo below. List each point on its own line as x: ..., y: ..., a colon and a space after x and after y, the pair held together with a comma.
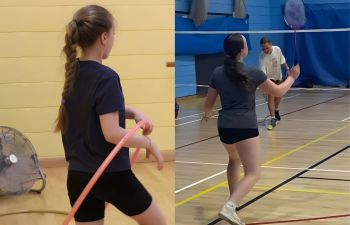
x: 76, y: 22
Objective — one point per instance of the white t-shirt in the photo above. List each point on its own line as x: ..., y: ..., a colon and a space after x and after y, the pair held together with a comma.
x: 270, y: 64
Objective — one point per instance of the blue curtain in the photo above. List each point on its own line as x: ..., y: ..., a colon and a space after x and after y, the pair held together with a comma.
x: 193, y: 44
x: 323, y: 57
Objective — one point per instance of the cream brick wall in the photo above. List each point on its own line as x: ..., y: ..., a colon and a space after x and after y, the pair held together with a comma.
x: 31, y: 62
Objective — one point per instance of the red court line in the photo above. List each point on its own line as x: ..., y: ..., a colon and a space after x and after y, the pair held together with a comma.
x: 300, y: 220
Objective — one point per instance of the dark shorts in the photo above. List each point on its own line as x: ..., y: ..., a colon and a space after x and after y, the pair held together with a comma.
x: 121, y: 189
x: 234, y: 135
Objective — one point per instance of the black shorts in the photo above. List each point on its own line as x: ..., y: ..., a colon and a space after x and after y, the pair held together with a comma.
x: 121, y: 189
x: 234, y: 135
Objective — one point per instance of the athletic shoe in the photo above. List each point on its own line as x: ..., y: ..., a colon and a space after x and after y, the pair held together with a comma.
x: 272, y: 123
x: 229, y: 214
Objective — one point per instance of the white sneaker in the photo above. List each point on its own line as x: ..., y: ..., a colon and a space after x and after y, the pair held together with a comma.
x: 228, y: 213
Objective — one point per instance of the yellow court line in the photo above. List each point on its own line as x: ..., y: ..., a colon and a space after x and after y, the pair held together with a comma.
x: 264, y: 164
x: 339, y: 141
x: 314, y: 191
x: 201, y: 193
x: 305, y: 145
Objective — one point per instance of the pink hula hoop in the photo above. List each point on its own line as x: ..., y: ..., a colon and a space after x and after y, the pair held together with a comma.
x: 102, y: 168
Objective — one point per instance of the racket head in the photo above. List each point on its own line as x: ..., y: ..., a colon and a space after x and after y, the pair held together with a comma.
x: 294, y: 14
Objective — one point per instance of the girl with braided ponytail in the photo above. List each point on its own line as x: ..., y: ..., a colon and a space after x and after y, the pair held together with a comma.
x: 92, y: 120
x: 236, y: 84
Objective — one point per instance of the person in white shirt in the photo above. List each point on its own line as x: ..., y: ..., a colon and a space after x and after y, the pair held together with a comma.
x: 270, y: 60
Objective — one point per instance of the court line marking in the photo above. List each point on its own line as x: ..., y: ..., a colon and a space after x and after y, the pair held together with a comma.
x: 286, y: 119
x: 303, y: 190
x: 346, y: 119
x: 258, y: 100
x: 200, y: 181
x: 197, y: 114
x: 265, y: 31
x: 291, y: 89
x: 192, y: 121
x: 341, y: 91
x: 251, y: 201
x: 339, y: 141
x: 305, y: 120
x: 198, y: 194
x: 215, y: 116
x: 264, y: 103
x: 300, y: 220
x: 221, y: 172
x: 267, y: 167
x: 315, y: 191
x: 323, y: 178
x: 201, y: 163
x: 298, y: 110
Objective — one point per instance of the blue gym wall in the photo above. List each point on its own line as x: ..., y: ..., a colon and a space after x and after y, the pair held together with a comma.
x: 263, y: 15
x: 325, y: 1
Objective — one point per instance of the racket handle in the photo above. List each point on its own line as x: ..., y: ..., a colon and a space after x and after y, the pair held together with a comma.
x: 295, y: 55
x: 295, y: 60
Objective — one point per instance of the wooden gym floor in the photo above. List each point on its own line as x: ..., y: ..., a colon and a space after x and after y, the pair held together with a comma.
x: 54, y: 197
x: 305, y: 163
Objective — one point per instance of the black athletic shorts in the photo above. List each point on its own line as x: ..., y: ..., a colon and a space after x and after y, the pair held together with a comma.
x: 122, y: 189
x: 234, y: 135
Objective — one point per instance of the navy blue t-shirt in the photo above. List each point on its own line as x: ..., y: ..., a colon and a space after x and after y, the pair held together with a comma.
x: 96, y: 91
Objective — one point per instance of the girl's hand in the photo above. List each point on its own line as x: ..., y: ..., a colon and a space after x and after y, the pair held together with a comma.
x: 148, y: 128
x: 153, y: 149
x: 295, y: 71
x: 206, y: 117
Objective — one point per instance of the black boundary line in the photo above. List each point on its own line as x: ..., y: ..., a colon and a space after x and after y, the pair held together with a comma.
x: 283, y: 183
x: 196, y: 142
x: 263, y: 121
x: 323, y: 178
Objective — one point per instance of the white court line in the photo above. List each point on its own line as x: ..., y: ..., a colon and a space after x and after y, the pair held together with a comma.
x: 265, y: 31
x: 309, y: 120
x: 292, y: 89
x: 202, y: 163
x: 197, y: 114
x: 320, y: 89
x: 193, y: 121
x: 346, y: 119
x: 261, y: 99
x: 296, y: 168
x: 320, y: 94
x: 285, y: 119
x: 198, y: 182
x: 270, y: 167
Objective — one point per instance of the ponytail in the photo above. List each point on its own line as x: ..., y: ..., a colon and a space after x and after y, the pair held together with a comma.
x: 233, y: 45
x: 234, y: 73
x: 82, y: 32
x: 70, y: 50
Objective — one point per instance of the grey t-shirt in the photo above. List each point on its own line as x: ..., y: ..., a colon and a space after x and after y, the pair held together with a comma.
x: 238, y: 103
